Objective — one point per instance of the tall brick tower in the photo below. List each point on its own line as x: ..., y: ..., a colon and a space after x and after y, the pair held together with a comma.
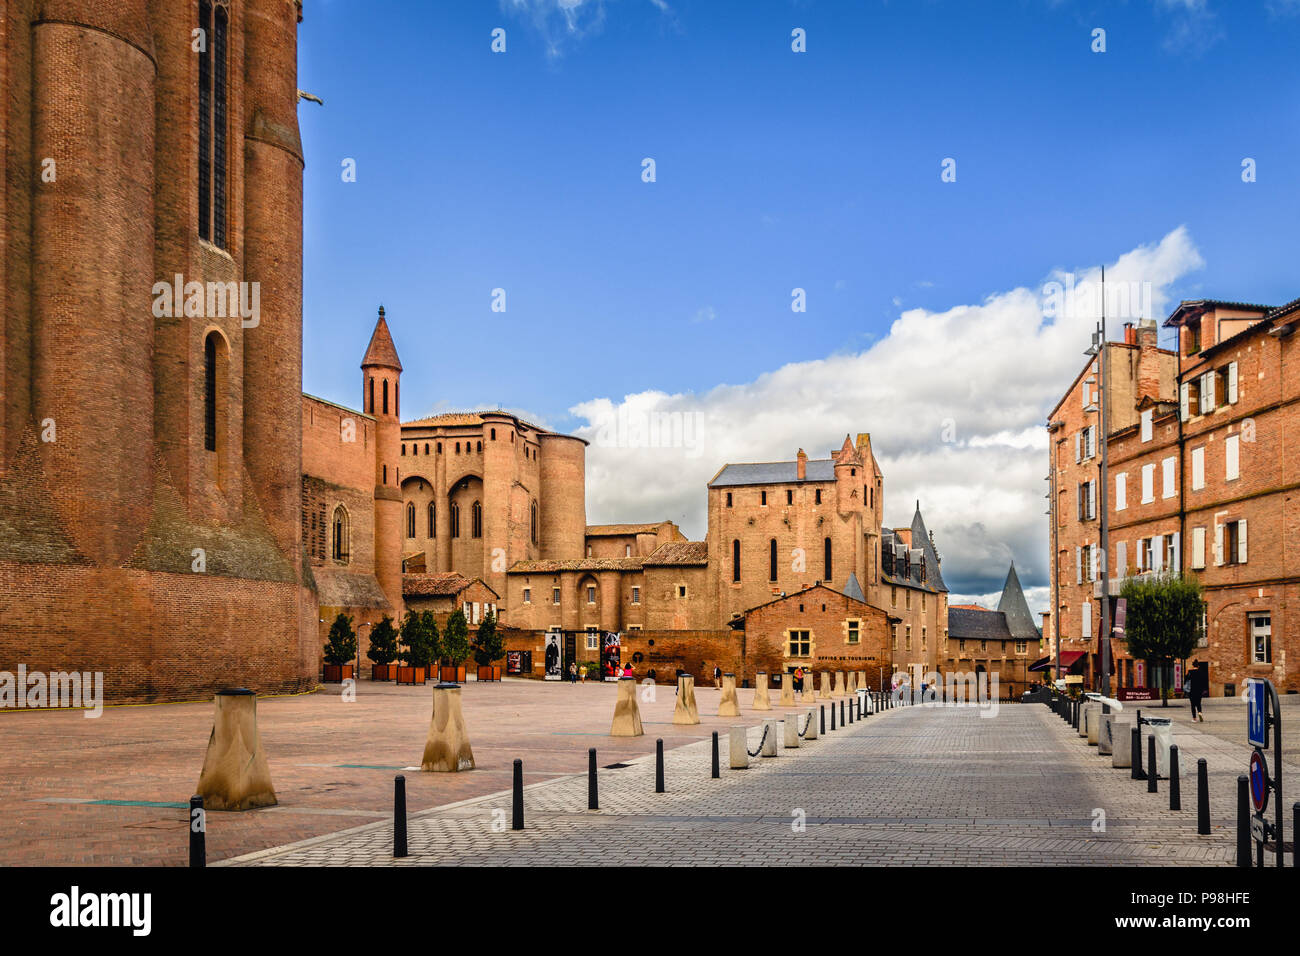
x: 381, y: 372
x: 151, y: 345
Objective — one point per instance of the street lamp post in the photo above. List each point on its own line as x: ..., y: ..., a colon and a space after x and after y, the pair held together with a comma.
x: 1103, y: 414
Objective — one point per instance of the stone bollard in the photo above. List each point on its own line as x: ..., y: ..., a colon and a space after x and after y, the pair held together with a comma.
x: 738, y: 744
x: 627, y: 715
x: 809, y: 686
x: 235, y: 774
x: 791, y: 731
x: 1082, y: 728
x: 825, y: 692
x: 729, y: 705
x: 761, y: 699
x: 1121, y: 754
x: 811, y: 732
x: 1094, y: 725
x: 1105, y: 729
x: 447, y: 748
x: 686, y: 711
x: 787, y: 691
x: 769, y: 739
x: 839, y: 684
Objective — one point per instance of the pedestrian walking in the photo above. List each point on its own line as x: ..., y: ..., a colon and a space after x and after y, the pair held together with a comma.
x: 573, y: 672
x: 1196, y: 687
x: 717, y: 676
x: 582, y: 673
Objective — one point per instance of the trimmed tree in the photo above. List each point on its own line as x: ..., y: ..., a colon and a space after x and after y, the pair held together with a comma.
x: 415, y: 640
x: 1164, y: 614
x: 432, y: 636
x: 455, y: 638
x: 341, y: 647
x: 383, y: 642
x: 489, y: 645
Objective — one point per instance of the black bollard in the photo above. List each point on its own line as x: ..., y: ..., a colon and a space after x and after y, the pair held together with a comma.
x: 1078, y: 714
x: 518, y: 822
x: 1175, y: 796
x: 1295, y: 834
x: 1136, y: 754
x: 1153, y: 771
x: 716, y: 772
x: 832, y: 715
x: 842, y: 721
x: 198, y: 833
x: 593, y: 797
x: 659, y: 766
x: 1202, y: 798
x: 1243, y: 821
x: 399, y: 816
x: 850, y: 711
x: 822, y: 709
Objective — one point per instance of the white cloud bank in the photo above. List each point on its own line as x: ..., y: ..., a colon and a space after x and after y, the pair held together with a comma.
x: 955, y: 402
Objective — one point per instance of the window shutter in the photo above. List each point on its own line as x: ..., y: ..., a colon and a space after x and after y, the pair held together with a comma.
x: 1121, y: 558
x: 1208, y: 401
x: 1148, y: 483
x: 1198, y: 547
x: 1169, y: 477
x: 1095, y: 555
x: 1086, y: 608
x: 1078, y: 565
x: 1092, y: 441
x: 1198, y: 468
x: 1176, y: 554
x: 1078, y: 445
x: 1232, y: 383
x: 1241, y: 541
x: 1231, y: 457
x: 1218, y: 544
x: 1092, y: 499
x: 1184, y: 401
x: 1078, y: 500
x: 1121, y: 491
x: 1137, y: 557
x: 1146, y: 425
x: 1157, y: 553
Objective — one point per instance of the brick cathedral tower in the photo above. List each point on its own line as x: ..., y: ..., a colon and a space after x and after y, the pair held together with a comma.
x: 381, y: 372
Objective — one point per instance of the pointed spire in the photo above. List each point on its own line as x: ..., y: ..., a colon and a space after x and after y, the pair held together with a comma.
x: 921, y: 540
x: 853, y: 589
x: 381, y: 351
x: 1020, y: 622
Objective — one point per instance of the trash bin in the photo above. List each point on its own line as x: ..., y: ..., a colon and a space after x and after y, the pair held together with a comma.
x: 864, y: 707
x: 1162, y: 730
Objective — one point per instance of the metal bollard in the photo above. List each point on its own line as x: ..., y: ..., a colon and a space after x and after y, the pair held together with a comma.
x: 1202, y: 798
x: 659, y: 766
x: 716, y: 770
x: 1136, y: 762
x: 1078, y: 714
x: 1243, y: 821
x: 518, y: 821
x: 832, y: 715
x: 1175, y: 796
x: 1153, y: 771
x: 1295, y: 834
x: 198, y: 833
x: 822, y: 708
x: 842, y: 720
x: 850, y: 711
x: 593, y: 797
x: 399, y: 816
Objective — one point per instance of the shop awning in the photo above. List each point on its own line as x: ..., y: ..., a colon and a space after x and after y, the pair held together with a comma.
x: 1068, y: 660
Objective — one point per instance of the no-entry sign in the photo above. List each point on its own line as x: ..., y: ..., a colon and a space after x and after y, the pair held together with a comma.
x: 1258, y: 781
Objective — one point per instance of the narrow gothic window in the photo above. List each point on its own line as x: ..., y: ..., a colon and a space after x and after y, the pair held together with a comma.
x: 826, y: 548
x: 771, y: 560
x: 735, y: 559
x: 385, y: 396
x: 210, y: 392
x: 433, y: 521
x: 213, y: 84
x: 476, y: 520
x: 339, y: 543
x: 372, y: 396
x: 455, y: 520
x: 533, y: 521
x: 410, y: 520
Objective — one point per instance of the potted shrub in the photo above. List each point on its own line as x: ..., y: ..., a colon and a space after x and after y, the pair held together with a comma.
x: 489, y: 647
x: 383, y: 649
x: 419, y: 637
x: 455, y: 647
x: 340, y: 650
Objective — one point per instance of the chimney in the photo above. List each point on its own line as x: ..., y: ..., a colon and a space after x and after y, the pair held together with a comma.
x: 801, y: 465
x: 1148, y: 384
x: 1130, y: 336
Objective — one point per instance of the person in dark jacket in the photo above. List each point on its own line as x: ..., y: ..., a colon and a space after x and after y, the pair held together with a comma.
x: 1198, y: 686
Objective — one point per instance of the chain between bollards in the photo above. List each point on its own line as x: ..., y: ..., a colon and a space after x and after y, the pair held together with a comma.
x: 518, y: 817
x: 593, y: 798
x: 716, y: 771
x: 399, y: 816
x: 659, y: 766
x: 198, y: 833
x: 1202, y: 798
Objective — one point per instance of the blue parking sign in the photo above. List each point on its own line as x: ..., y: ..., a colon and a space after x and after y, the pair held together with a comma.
x: 1256, y: 704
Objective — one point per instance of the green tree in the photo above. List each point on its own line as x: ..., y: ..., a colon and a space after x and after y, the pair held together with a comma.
x: 383, y: 642
x: 455, y: 638
x: 415, y: 640
x: 434, y: 638
x: 341, y: 647
x: 489, y: 645
x: 1164, y: 617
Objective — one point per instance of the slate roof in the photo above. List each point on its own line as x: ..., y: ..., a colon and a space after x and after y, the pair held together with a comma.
x: 381, y: 351
x: 969, y: 624
x: 914, y: 544
x: 773, y: 473
x: 1020, y: 621
x: 853, y: 589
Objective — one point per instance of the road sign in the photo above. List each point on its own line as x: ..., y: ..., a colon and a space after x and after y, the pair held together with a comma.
x: 1258, y: 781
x: 1258, y: 829
x: 1256, y: 712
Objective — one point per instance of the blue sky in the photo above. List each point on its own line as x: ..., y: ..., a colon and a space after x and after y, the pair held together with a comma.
x: 775, y: 170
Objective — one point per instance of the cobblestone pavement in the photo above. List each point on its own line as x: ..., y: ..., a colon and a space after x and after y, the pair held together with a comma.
x: 910, y: 786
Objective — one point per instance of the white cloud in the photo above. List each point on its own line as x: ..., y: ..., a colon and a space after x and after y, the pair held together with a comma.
x: 561, y: 23
x: 706, y: 314
x: 954, y: 401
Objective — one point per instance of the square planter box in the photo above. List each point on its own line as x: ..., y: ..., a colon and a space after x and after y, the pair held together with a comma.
x: 490, y: 673
x: 383, y: 671
x: 452, y: 675
x: 410, y: 675
x: 337, y: 673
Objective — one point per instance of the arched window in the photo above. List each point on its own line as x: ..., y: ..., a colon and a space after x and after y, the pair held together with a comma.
x: 735, y: 560
x: 771, y: 560
x: 826, y: 549
x: 385, y: 396
x: 339, y: 534
x: 479, y: 446
x: 213, y: 70
x: 410, y: 520
x: 433, y: 521
x: 372, y: 395
x: 476, y: 520
x: 210, y: 392
x: 455, y: 520
x: 532, y: 521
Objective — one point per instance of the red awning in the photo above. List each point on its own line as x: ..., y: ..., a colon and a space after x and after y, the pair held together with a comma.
x: 1068, y: 660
